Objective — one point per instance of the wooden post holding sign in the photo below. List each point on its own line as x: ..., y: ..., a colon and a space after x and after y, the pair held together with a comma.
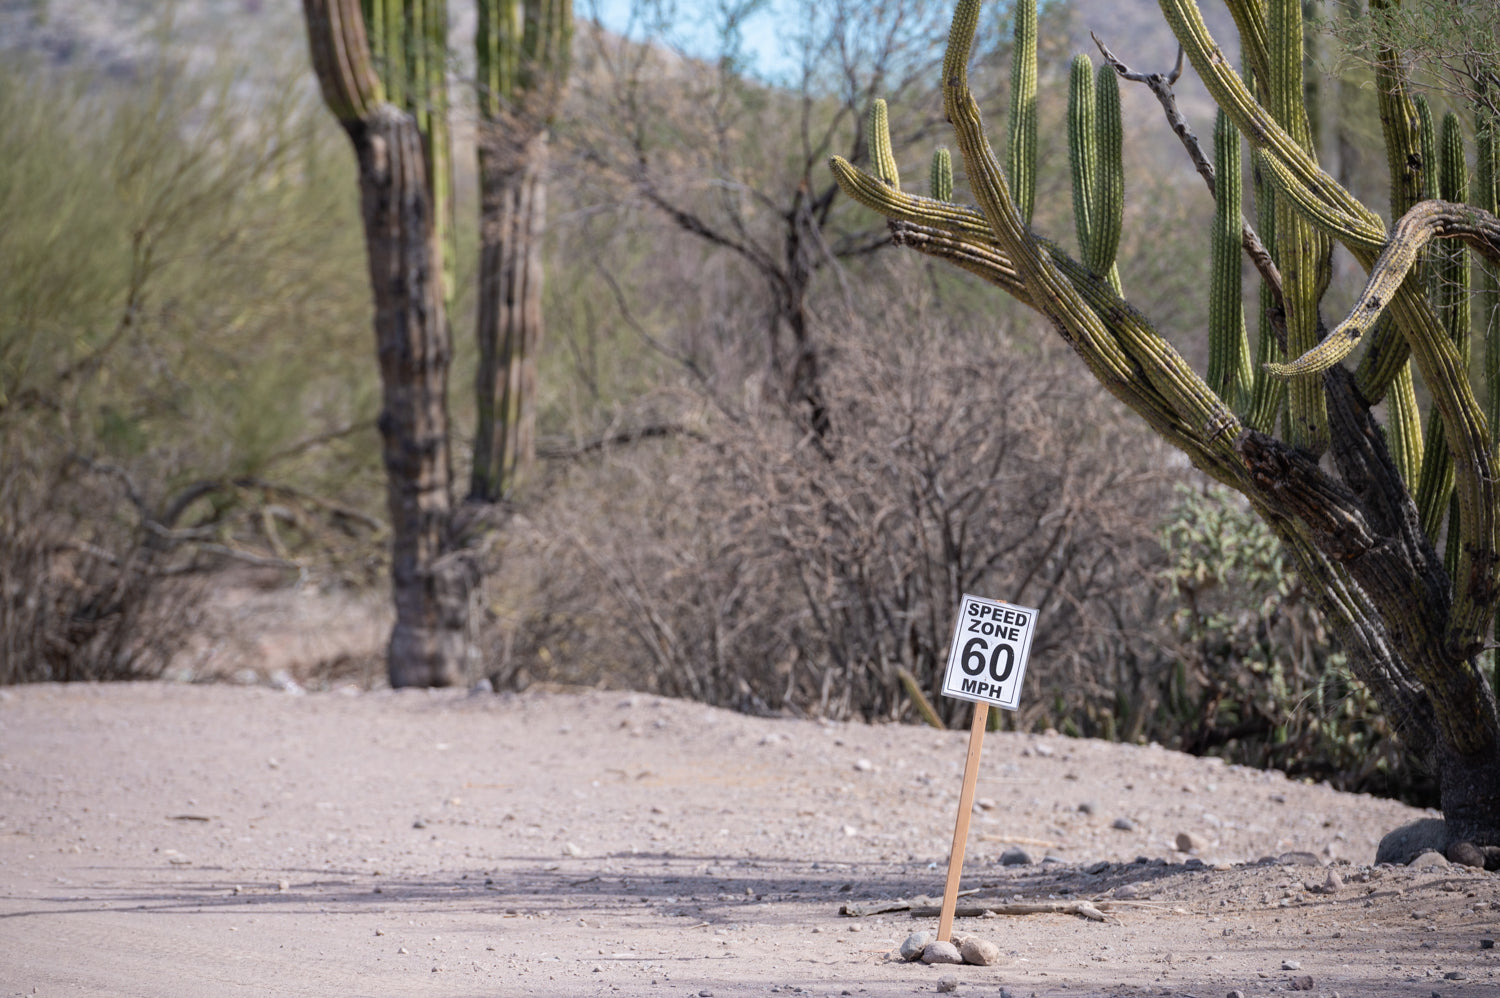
x: 986, y: 665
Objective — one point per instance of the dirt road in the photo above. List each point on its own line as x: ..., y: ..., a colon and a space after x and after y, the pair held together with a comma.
x: 167, y: 839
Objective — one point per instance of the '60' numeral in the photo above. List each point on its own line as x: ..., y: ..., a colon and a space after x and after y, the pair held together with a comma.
x: 973, y: 661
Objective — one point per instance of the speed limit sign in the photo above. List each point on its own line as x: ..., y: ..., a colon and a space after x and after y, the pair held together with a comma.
x: 990, y: 646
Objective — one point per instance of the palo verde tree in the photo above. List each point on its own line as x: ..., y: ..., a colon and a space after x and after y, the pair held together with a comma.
x: 385, y: 87
x: 522, y: 50
x: 1363, y: 508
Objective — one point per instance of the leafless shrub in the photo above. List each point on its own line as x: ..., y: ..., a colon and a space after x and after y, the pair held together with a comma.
x: 83, y: 593
x: 754, y: 566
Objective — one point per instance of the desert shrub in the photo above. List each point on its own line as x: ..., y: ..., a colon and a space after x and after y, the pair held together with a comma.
x: 85, y: 594
x: 753, y: 566
x: 1256, y: 678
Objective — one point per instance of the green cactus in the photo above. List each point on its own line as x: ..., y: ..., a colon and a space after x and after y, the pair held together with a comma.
x: 522, y: 54
x: 409, y: 43
x: 1229, y: 371
x: 1413, y: 629
x: 380, y: 68
x: 940, y: 176
x: 1095, y: 136
x: 1268, y: 396
x: 882, y: 160
x: 1020, y: 162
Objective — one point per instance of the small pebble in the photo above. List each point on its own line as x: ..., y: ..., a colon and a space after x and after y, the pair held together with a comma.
x: 1486, y: 944
x: 1087, y: 807
x: 949, y: 983
x: 1015, y: 856
x: 1236, y: 993
x: 1123, y: 824
x: 1290, y: 965
x: 864, y: 765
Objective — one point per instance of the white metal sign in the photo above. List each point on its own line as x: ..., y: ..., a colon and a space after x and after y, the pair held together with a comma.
x: 990, y: 646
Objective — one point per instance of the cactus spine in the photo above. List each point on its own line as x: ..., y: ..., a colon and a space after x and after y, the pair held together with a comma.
x: 522, y: 54
x: 1020, y: 163
x: 940, y: 176
x: 1228, y: 349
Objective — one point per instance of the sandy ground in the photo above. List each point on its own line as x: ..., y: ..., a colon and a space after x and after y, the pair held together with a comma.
x: 173, y: 839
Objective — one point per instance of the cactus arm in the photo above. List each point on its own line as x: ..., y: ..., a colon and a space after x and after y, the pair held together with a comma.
x: 1298, y: 249
x: 1450, y: 266
x: 1021, y: 149
x: 1212, y: 425
x: 1160, y: 86
x: 1290, y: 165
x: 1108, y: 214
x: 1083, y: 153
x: 1404, y: 426
x: 1486, y: 196
x: 1428, y: 220
x: 1268, y: 395
x: 940, y: 176
x: 1228, y: 350
x: 1250, y: 22
x: 346, y: 74
x: 882, y: 158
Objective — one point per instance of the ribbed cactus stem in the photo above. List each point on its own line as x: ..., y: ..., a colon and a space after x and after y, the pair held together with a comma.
x: 1083, y: 154
x: 409, y: 44
x: 1109, y: 179
x: 1486, y: 195
x: 1228, y: 348
x: 940, y: 177
x: 1298, y: 245
x: 882, y: 158
x: 1427, y: 140
x: 1020, y: 150
x: 1450, y: 295
x: 1268, y: 396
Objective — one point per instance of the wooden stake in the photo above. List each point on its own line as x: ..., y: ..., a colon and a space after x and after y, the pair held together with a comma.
x: 961, y: 826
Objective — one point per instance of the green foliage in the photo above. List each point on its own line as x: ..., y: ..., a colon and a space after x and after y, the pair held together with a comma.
x: 159, y: 248
x: 1260, y: 682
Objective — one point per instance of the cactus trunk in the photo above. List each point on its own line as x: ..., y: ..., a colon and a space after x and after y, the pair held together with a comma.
x: 431, y: 581
x: 522, y: 52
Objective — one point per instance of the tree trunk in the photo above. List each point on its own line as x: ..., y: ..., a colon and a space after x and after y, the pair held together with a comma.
x: 513, y: 160
x: 430, y: 581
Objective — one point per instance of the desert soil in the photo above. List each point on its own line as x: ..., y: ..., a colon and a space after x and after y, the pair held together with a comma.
x: 187, y: 839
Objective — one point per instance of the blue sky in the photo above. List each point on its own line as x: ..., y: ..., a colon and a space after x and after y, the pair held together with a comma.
x: 696, y: 25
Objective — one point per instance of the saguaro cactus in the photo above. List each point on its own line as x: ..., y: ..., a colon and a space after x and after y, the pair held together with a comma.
x: 430, y: 582
x: 1413, y: 628
x: 522, y: 53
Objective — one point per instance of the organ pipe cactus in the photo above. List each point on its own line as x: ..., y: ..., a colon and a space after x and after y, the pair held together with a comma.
x: 940, y: 176
x: 522, y: 55
x: 1319, y: 470
x: 1095, y: 157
